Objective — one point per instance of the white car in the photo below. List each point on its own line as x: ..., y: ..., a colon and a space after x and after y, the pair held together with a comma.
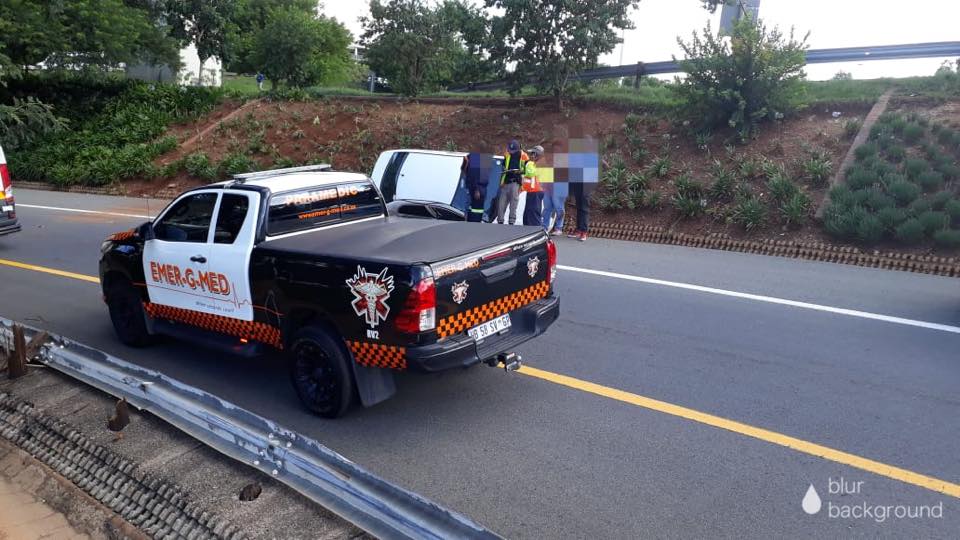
x: 434, y: 176
x: 8, y: 211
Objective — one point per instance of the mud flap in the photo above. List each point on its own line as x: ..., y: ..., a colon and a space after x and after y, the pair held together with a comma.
x: 373, y: 384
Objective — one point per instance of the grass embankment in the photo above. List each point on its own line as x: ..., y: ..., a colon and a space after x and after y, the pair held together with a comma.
x: 903, y: 186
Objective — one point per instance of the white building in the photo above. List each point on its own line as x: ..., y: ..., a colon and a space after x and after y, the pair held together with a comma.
x: 190, y: 74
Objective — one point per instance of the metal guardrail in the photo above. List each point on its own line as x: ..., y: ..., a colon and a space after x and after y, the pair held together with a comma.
x: 814, y: 56
x: 324, y: 476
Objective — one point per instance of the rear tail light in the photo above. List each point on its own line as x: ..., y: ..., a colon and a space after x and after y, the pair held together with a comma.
x: 6, y: 187
x: 551, y: 261
x: 419, y: 313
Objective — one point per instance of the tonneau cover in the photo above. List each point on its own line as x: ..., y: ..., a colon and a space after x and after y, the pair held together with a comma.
x: 401, y: 240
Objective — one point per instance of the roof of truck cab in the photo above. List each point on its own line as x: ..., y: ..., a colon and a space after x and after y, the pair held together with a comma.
x: 296, y: 181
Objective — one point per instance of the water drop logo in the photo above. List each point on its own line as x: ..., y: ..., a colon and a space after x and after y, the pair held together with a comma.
x: 811, y: 501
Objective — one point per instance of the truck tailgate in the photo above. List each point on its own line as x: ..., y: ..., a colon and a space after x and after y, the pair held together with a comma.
x: 484, y: 286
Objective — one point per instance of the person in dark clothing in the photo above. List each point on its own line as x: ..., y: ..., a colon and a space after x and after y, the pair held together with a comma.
x: 581, y: 195
x: 476, y: 174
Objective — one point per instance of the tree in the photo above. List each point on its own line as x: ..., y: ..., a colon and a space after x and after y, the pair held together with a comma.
x: 712, y: 5
x: 419, y: 48
x: 205, y: 23
x: 249, y: 18
x: 80, y: 34
x: 739, y: 82
x: 298, y: 49
x: 549, y: 41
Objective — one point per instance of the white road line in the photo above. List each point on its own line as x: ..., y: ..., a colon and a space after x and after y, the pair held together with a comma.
x: 78, y: 211
x: 768, y: 299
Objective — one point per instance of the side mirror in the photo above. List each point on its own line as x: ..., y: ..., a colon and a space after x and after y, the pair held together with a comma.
x: 145, y: 231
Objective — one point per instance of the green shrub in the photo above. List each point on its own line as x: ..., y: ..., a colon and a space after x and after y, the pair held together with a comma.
x: 817, y: 170
x: 945, y: 136
x: 164, y: 144
x: 796, y: 210
x: 933, y: 221
x: 903, y: 192
x: 851, y: 128
x: 930, y: 180
x: 723, y: 185
x: 876, y: 199
x: 950, y: 172
x: 750, y: 213
x: 841, y: 195
x: 688, y: 187
x: 893, y: 178
x: 862, y: 178
x: 687, y: 206
x: 870, y: 229
x: 947, y: 238
x: 880, y: 131
x: 613, y: 201
x: 913, y: 132
x: 909, y: 232
x: 740, y: 82
x: 952, y: 208
x: 237, y: 163
x: 781, y: 187
x: 660, y: 167
x: 843, y: 222
x: 896, y: 153
x: 637, y: 181
x: 654, y: 200
x: 113, y: 144
x: 939, y: 200
x: 898, y: 125
x: 865, y: 150
x: 636, y: 199
x: 914, y: 167
x: 198, y: 165
x: 750, y: 168
x: 919, y: 206
x: 892, y: 217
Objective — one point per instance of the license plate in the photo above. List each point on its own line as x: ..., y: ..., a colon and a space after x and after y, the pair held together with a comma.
x: 490, y: 328
x: 6, y: 209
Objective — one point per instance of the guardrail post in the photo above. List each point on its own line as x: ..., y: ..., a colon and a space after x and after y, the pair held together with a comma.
x: 17, y: 363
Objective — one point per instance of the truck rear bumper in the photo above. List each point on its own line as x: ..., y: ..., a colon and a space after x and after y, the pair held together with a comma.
x: 9, y: 226
x: 460, y: 351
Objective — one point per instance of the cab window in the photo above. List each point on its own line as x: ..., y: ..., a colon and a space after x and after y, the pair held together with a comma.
x: 230, y: 218
x: 299, y: 210
x: 188, y: 220
x: 359, y: 200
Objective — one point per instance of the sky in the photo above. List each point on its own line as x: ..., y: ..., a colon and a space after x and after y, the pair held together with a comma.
x: 831, y: 23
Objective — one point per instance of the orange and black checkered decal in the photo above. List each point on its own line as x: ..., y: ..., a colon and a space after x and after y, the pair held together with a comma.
x: 121, y: 236
x: 378, y: 355
x: 252, y: 330
x: 465, y: 320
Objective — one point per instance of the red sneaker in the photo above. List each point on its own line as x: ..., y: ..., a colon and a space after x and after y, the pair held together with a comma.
x: 582, y: 237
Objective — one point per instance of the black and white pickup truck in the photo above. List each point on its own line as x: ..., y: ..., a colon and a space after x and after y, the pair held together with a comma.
x: 310, y: 262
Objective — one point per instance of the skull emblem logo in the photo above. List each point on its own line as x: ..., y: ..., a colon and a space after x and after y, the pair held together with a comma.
x: 459, y: 291
x: 533, y: 266
x: 371, y: 292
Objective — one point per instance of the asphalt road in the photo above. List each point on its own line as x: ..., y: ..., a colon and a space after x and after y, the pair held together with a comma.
x: 532, y: 458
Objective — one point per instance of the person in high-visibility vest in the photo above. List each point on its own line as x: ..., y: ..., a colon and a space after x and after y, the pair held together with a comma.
x: 533, y: 208
x: 510, y: 181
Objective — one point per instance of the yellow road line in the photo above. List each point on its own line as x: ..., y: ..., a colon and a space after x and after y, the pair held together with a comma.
x: 45, y: 270
x: 800, y: 445
x: 813, y: 449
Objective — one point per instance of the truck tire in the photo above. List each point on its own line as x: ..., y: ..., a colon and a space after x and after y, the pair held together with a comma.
x: 320, y: 372
x: 127, y: 315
